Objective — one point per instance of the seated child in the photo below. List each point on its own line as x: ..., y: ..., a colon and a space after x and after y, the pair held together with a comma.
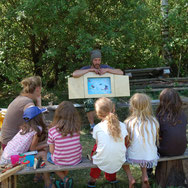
x: 142, y: 128
x: 173, y: 122
x: 27, y: 138
x: 110, y: 147
x: 64, y: 141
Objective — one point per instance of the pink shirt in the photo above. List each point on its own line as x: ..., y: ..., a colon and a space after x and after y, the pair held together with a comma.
x: 68, y: 150
x: 19, y: 144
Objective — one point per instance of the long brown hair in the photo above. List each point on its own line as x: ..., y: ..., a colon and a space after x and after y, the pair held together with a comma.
x: 66, y: 119
x: 141, y: 111
x: 105, y: 108
x: 170, y: 105
x: 33, y: 125
x: 30, y: 84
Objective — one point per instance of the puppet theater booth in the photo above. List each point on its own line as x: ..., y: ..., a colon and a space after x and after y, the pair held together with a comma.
x: 92, y: 85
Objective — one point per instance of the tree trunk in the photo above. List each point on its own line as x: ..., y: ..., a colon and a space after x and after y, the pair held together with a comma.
x: 165, y: 33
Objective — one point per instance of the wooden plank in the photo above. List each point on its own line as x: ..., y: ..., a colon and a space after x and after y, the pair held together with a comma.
x: 15, y: 181
x: 10, y: 182
x: 10, y: 172
x: 146, y: 69
x: 86, y: 164
x: 4, y: 183
x: 159, y: 89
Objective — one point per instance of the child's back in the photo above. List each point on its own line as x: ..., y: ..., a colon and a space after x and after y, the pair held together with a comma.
x: 173, y: 122
x: 110, y: 147
x: 143, y: 149
x: 110, y: 153
x: 64, y: 141
x: 19, y: 144
x: 68, y: 150
x: 143, y: 133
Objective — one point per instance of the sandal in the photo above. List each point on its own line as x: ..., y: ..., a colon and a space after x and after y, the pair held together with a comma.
x: 67, y: 183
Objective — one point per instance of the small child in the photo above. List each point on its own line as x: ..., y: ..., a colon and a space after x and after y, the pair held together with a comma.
x: 28, y: 136
x: 110, y: 135
x: 142, y: 128
x: 64, y: 141
x: 173, y: 122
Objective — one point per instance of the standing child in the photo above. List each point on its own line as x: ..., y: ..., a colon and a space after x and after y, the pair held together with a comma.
x: 64, y: 141
x: 110, y: 147
x: 27, y: 138
x: 142, y: 128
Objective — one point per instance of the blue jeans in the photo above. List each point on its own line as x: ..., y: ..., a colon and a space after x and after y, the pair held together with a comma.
x: 49, y: 158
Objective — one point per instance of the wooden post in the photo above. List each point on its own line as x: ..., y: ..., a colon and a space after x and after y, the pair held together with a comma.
x: 170, y: 173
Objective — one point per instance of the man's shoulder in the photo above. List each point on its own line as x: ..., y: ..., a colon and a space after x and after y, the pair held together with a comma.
x: 105, y: 66
x: 85, y: 67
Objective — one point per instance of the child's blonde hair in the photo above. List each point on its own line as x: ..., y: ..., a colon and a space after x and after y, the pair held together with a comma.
x: 30, y: 84
x: 141, y: 111
x: 105, y: 108
x: 66, y: 119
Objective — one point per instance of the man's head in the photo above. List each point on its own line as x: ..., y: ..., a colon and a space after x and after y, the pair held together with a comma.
x: 96, y: 58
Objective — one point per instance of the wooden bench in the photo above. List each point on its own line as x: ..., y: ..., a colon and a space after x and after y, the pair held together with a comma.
x: 86, y: 163
x: 157, y: 72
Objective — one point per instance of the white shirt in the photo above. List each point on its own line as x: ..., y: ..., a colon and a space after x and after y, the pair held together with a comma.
x: 140, y: 152
x: 111, y: 154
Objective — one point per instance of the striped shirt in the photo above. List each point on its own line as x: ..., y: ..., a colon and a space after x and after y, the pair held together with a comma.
x: 19, y: 144
x: 68, y: 150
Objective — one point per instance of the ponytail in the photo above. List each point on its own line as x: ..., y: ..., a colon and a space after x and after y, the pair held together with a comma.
x: 113, y: 126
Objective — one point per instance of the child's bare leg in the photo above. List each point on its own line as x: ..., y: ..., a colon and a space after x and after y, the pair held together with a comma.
x: 62, y: 174
x: 42, y: 154
x: 145, y: 180
x: 126, y: 168
x: 47, y: 180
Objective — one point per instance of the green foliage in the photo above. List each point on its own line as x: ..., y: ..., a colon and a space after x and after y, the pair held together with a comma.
x: 53, y: 38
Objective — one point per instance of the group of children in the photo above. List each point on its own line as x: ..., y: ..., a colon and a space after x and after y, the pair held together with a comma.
x: 136, y: 141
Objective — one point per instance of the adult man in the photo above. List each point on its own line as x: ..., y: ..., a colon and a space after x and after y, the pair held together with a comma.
x: 97, y: 68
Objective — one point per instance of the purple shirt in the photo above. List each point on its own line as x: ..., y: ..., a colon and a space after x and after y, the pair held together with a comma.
x: 101, y: 66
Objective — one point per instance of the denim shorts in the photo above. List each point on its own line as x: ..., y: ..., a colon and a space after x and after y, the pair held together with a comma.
x: 49, y: 158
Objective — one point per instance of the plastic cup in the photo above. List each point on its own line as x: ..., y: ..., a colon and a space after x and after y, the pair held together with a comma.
x: 14, y: 159
x: 31, y: 159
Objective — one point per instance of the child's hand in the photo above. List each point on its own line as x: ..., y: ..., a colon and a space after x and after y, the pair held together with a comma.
x: 127, y: 142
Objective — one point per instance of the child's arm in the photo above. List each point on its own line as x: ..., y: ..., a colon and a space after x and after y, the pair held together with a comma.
x: 127, y: 141
x: 34, y: 143
x: 51, y: 148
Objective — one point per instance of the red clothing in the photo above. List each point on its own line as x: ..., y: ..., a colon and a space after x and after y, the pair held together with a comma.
x: 95, y: 172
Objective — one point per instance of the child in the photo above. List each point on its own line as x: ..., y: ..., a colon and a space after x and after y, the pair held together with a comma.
x: 142, y: 128
x: 27, y: 138
x: 110, y: 147
x: 172, y: 123
x: 64, y: 140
